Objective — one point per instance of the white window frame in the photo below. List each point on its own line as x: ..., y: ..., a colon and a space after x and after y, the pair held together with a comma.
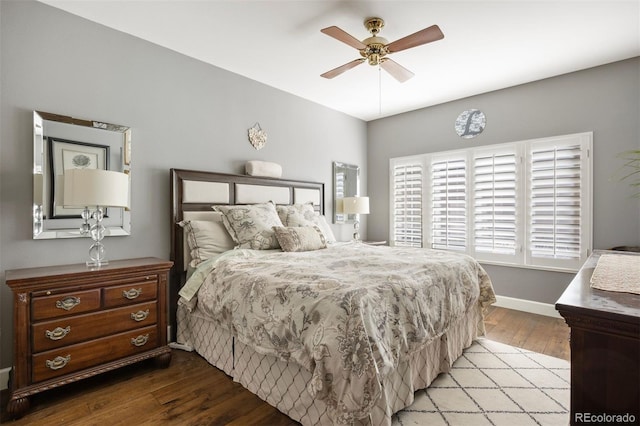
x: 522, y: 256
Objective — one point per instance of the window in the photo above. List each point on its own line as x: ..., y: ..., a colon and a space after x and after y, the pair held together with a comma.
x: 449, y: 203
x: 524, y: 204
x: 495, y: 203
x: 407, y: 203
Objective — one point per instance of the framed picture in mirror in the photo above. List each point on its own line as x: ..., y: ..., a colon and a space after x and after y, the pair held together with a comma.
x: 65, y: 155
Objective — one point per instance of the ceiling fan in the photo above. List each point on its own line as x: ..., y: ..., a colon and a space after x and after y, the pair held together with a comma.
x: 375, y: 49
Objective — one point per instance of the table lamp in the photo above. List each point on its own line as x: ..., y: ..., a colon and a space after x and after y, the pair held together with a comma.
x: 95, y: 189
x: 357, y: 206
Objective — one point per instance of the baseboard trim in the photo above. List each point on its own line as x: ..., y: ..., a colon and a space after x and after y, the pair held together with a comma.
x: 4, y: 378
x: 530, y: 306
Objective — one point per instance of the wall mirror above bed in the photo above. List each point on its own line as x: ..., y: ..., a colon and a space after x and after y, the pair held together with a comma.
x: 61, y: 143
x: 346, y: 183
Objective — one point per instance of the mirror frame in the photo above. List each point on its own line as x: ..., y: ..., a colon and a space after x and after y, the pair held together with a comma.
x: 353, y: 171
x: 45, y: 226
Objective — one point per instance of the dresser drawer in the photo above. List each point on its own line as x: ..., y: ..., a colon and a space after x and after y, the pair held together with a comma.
x: 66, y: 331
x: 59, y: 305
x: 135, y: 292
x: 58, y: 362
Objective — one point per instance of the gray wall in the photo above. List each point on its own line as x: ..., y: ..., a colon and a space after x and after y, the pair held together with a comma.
x: 604, y: 100
x: 183, y: 114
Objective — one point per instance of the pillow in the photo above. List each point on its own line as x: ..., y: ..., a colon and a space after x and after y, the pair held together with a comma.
x: 305, y: 215
x: 251, y: 225
x: 300, y: 238
x: 206, y: 239
x: 321, y: 222
x: 296, y: 214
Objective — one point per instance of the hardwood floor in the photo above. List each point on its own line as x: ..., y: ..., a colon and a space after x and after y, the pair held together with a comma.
x: 192, y: 392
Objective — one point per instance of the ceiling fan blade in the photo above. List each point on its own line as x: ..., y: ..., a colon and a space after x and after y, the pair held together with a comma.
x: 425, y: 36
x: 342, y: 68
x: 396, y: 70
x: 343, y: 36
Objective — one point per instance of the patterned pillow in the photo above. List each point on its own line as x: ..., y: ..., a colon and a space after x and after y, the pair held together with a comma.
x: 300, y: 238
x: 250, y: 225
x: 305, y: 215
x: 206, y: 239
x: 296, y: 214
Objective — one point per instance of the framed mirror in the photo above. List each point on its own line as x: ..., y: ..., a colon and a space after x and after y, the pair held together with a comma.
x: 61, y: 143
x: 346, y: 183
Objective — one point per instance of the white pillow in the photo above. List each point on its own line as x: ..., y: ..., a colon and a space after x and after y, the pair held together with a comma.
x: 206, y: 239
x: 321, y: 222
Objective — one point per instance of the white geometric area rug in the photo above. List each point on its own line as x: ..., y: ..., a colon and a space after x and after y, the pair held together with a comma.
x: 494, y: 384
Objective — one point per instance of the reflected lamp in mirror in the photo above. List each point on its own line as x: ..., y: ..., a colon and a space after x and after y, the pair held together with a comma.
x: 94, y: 190
x: 356, y: 206
x: 346, y: 183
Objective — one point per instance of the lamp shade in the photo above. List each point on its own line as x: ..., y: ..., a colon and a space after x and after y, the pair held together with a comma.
x: 93, y: 187
x: 356, y: 205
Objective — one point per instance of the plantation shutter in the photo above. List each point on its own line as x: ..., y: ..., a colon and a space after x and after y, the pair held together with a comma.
x: 494, y: 198
x: 407, y: 205
x: 449, y: 204
x: 555, y: 202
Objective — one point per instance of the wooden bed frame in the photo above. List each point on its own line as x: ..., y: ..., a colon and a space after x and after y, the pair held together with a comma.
x: 284, y: 384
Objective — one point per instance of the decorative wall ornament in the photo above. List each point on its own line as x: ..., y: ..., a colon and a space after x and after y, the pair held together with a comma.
x: 470, y: 123
x: 257, y: 136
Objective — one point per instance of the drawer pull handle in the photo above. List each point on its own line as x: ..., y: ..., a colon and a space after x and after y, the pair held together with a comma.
x: 140, y: 315
x: 132, y: 294
x: 140, y: 340
x: 58, y: 362
x: 68, y: 303
x: 58, y: 333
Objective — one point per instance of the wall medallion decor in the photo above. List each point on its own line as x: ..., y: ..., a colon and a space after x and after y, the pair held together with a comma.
x: 257, y: 136
x: 470, y: 123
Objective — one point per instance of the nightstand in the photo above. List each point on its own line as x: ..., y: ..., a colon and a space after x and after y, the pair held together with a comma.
x: 72, y: 322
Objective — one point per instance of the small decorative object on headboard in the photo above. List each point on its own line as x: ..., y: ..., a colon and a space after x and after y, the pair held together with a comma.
x: 263, y: 168
x: 257, y: 136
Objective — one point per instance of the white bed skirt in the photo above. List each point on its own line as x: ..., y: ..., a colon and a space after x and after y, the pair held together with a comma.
x: 283, y: 385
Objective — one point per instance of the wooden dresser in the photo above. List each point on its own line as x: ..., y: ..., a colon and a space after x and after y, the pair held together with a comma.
x: 72, y: 322
x: 605, y: 347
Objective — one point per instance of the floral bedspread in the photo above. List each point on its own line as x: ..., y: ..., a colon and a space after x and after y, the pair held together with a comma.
x: 345, y: 313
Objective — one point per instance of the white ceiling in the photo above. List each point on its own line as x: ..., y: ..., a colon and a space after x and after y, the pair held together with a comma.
x: 488, y: 45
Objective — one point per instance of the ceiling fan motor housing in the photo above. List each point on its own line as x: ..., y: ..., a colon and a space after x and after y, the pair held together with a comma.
x: 375, y: 50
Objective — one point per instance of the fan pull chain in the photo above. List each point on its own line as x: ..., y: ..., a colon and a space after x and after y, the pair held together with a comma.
x: 379, y: 90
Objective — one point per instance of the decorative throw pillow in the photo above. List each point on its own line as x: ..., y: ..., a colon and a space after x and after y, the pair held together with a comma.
x: 296, y: 214
x: 251, y: 225
x: 206, y: 239
x: 300, y: 238
x: 305, y: 215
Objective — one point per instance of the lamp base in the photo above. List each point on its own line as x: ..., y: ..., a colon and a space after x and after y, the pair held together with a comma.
x: 97, y: 252
x: 356, y: 231
x: 97, y: 263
